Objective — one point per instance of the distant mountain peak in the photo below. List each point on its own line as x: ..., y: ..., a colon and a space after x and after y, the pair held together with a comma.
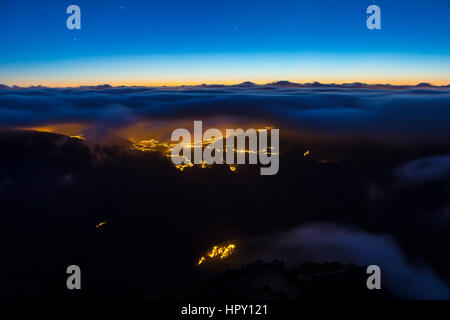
x: 284, y: 83
x: 246, y: 84
x: 424, y: 85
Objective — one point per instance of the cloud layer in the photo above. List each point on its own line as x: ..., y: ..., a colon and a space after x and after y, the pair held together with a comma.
x: 424, y: 170
x: 412, y: 114
x: 328, y: 242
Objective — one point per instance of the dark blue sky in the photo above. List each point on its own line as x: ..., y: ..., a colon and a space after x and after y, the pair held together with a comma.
x: 223, y: 41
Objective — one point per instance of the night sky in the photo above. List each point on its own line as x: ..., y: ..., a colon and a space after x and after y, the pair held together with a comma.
x: 190, y: 42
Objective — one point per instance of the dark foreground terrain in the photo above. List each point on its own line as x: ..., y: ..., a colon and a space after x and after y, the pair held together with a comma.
x: 369, y: 204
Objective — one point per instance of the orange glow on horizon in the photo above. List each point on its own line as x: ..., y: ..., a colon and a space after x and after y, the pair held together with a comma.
x: 180, y: 83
